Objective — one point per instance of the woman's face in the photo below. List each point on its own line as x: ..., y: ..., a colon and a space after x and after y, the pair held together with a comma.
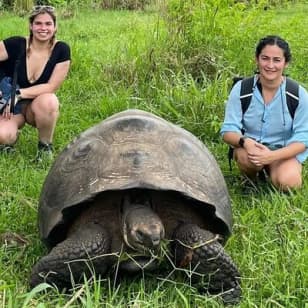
x: 271, y: 63
x: 43, y: 27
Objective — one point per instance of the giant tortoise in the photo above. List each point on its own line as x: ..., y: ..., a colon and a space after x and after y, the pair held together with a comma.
x: 129, y: 191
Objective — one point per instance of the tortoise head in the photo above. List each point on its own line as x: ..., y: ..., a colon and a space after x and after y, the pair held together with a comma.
x: 143, y: 230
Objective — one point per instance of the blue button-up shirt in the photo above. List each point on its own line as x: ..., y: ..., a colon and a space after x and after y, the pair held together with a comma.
x: 271, y: 123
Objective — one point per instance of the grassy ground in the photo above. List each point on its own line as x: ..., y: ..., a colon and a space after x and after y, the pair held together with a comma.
x: 269, y: 242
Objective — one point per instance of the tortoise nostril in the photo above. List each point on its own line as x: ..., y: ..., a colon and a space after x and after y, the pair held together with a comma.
x: 156, y: 241
x: 139, y: 236
x: 147, y: 239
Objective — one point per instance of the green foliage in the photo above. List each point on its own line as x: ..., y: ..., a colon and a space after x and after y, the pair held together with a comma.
x: 205, y: 35
x: 26, y: 5
x: 177, y: 64
x: 23, y: 5
x: 212, y: 38
x: 55, y: 3
x: 125, y: 4
x: 17, y: 5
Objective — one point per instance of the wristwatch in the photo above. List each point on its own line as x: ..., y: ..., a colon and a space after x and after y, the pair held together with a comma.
x: 18, y: 95
x: 241, y: 141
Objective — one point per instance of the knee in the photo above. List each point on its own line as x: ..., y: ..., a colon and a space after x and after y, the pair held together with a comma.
x: 47, y: 103
x: 287, y: 180
x: 241, y: 157
x: 244, y: 164
x: 45, y: 108
x: 53, y: 103
x: 8, y: 136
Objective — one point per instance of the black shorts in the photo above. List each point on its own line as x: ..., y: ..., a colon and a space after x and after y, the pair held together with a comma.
x: 20, y: 105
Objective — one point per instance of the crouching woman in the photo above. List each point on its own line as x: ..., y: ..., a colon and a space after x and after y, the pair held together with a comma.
x: 42, y: 64
x: 267, y: 136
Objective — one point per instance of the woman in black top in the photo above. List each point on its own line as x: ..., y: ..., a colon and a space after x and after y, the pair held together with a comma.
x: 43, y: 64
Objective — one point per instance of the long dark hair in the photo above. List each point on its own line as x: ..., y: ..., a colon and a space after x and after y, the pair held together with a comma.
x: 274, y: 40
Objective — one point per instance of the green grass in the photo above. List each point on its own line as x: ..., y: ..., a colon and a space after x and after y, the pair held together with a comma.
x: 119, y: 62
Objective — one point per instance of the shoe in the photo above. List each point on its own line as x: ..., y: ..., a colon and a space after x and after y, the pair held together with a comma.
x: 256, y: 185
x: 248, y: 185
x: 6, y: 148
x: 44, y: 152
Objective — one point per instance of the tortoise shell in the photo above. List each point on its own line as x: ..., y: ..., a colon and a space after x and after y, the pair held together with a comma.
x: 132, y: 149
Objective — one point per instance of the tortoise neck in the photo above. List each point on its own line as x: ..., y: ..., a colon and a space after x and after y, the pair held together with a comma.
x: 135, y: 199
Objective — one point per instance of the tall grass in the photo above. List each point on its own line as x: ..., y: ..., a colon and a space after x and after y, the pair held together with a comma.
x: 177, y: 63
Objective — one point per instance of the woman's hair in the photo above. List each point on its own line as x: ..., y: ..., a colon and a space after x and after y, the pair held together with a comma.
x: 37, y: 10
x: 274, y: 40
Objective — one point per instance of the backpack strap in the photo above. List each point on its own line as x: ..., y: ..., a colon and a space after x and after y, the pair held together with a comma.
x: 246, y: 92
x: 14, y: 85
x: 230, y: 156
x: 14, y: 82
x: 292, y: 95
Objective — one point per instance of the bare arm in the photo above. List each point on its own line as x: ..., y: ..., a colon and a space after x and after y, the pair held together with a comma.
x: 232, y: 138
x: 3, y: 52
x: 56, y: 79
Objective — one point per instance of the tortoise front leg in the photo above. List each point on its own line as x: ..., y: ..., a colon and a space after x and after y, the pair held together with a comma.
x: 80, y: 254
x: 200, y: 251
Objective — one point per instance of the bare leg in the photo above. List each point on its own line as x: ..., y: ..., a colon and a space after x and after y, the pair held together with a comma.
x: 244, y: 164
x: 286, y: 174
x: 43, y: 113
x: 9, y: 129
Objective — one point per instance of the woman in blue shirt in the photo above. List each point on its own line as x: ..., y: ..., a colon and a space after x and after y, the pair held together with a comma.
x: 266, y: 136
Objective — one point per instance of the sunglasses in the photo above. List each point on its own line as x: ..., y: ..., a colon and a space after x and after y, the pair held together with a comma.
x: 41, y: 8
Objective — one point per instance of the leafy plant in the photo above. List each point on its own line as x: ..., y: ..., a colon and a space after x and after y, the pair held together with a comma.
x: 177, y: 63
x: 23, y: 5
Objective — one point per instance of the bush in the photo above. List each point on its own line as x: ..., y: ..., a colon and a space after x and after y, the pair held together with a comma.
x: 125, y: 4
x: 205, y: 36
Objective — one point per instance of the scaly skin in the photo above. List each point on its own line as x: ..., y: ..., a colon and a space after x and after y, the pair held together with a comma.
x: 84, y: 251
x: 198, y: 249
x: 71, y: 259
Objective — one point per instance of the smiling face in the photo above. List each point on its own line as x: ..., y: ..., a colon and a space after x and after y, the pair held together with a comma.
x: 43, y: 27
x: 271, y: 63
